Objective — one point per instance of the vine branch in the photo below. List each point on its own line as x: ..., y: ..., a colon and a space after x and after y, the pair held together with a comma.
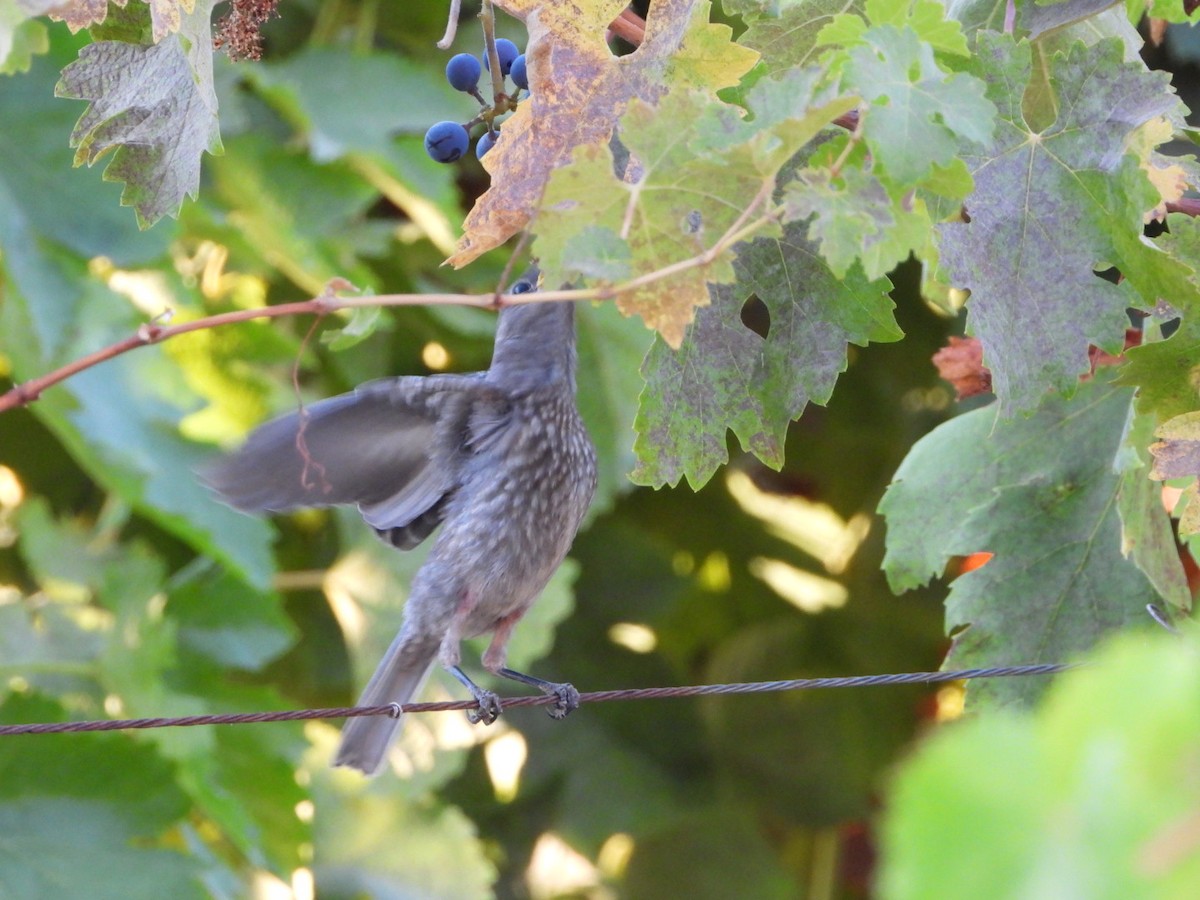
x: 330, y: 301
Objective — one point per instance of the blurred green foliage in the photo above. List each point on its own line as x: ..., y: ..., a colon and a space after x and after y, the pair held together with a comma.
x: 125, y: 590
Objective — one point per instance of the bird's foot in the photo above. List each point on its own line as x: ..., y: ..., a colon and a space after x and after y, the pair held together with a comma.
x: 567, y: 697
x: 565, y: 694
x: 488, y: 710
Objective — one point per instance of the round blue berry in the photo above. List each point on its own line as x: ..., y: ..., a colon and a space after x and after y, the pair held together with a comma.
x: 463, y: 72
x: 517, y: 73
x: 507, y: 51
x: 446, y: 142
x: 486, y: 142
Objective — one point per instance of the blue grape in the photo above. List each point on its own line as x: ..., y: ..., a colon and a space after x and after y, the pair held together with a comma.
x: 486, y: 142
x: 507, y: 51
x: 517, y: 72
x: 446, y: 142
x: 463, y: 72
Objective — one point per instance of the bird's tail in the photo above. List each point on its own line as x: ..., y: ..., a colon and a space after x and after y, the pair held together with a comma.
x: 401, y: 674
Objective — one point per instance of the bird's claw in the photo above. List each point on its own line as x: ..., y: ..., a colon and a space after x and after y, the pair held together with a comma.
x: 567, y: 699
x: 488, y: 710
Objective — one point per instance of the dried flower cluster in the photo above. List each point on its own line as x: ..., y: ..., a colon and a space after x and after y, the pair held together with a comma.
x: 239, y: 31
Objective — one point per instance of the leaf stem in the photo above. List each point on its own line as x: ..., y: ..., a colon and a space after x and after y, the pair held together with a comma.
x: 451, y: 25
x: 488, y: 17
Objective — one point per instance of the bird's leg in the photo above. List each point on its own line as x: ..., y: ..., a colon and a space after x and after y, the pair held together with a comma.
x: 489, y: 704
x: 493, y: 661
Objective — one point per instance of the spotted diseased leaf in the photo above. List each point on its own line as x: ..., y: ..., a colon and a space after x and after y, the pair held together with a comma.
x: 579, y: 91
x: 1032, y: 18
x: 155, y: 106
x: 725, y: 376
x: 700, y: 168
x: 1177, y: 450
x: 1051, y: 208
x: 1058, y: 579
x: 786, y: 33
x: 166, y: 16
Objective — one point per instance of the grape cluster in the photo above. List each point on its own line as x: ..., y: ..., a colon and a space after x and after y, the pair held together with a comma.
x: 447, y: 142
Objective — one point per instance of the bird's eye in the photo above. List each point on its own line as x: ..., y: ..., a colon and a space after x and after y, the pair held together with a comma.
x: 522, y: 287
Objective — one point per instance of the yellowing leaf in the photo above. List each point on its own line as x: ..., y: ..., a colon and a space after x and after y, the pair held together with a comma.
x: 166, y: 15
x: 578, y: 92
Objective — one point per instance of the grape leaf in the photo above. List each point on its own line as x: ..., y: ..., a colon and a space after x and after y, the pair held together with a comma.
x: 726, y: 376
x: 52, y: 221
x: 166, y: 16
x: 611, y: 346
x: 309, y: 88
x: 88, y: 815
x: 578, y: 92
x: 1050, y: 208
x: 853, y: 215
x: 916, y: 112
x: 1177, y: 450
x: 1032, y: 18
x: 786, y: 32
x: 1146, y: 533
x: 701, y: 166
x: 1057, y: 580
x: 155, y: 106
x: 1109, y: 736
x: 156, y: 661
x: 20, y: 36
x: 1165, y: 371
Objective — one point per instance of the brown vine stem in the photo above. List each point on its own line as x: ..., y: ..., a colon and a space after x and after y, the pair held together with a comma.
x: 1189, y: 206
x: 488, y: 17
x: 629, y: 26
x: 150, y: 333
x: 855, y: 136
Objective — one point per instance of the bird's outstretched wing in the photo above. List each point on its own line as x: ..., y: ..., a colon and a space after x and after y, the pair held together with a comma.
x: 394, y: 447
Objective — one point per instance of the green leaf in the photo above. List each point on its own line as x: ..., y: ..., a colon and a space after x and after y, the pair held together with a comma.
x: 363, y: 322
x: 1058, y: 580
x: 81, y: 814
x: 223, y: 619
x: 611, y: 348
x: 378, y: 842
x: 918, y: 116
x: 926, y: 18
x: 1146, y: 533
x: 725, y: 376
x: 1165, y: 371
x: 155, y: 106
x: 390, y: 94
x: 853, y: 217
x: 712, y: 854
x: 1108, y: 737
x: 786, y: 32
x: 300, y: 218
x: 21, y: 38
x: 1037, y: 302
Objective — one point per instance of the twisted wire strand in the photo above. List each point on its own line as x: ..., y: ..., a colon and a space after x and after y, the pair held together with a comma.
x: 395, y: 710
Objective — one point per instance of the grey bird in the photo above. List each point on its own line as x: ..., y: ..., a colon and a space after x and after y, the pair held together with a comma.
x: 500, y: 459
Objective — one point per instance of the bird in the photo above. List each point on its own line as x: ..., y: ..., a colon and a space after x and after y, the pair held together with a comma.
x: 500, y: 460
